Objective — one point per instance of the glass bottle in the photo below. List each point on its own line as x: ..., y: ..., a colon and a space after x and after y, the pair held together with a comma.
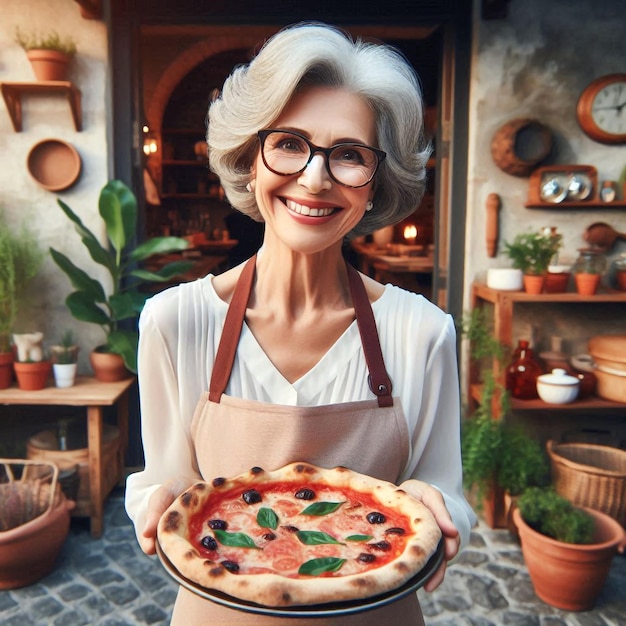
x: 522, y: 372
x: 589, y: 261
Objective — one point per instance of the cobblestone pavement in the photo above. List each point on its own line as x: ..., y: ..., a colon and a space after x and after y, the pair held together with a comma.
x: 110, y: 582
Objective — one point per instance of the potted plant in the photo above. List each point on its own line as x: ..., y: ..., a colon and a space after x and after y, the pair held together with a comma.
x: 568, y: 551
x: 65, y: 360
x: 499, y: 459
x: 532, y: 253
x: 49, y: 55
x: 117, y: 308
x: 20, y: 260
x: 31, y: 367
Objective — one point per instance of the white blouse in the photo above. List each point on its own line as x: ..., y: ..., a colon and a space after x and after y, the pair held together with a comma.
x: 180, y: 330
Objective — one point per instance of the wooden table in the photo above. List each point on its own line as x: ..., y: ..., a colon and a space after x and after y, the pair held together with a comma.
x: 94, y: 396
x: 375, y: 260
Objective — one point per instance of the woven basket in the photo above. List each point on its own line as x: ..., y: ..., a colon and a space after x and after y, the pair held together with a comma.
x: 27, y: 490
x: 590, y: 475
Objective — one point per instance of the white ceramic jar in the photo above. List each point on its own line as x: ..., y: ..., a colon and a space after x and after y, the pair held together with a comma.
x: 558, y: 387
x: 506, y: 279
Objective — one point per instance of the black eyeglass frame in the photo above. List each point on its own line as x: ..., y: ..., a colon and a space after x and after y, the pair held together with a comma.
x: 380, y: 154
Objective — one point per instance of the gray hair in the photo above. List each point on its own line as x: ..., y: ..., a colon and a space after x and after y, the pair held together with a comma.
x: 305, y: 55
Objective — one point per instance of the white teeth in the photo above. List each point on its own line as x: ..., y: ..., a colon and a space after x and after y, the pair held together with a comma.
x: 307, y: 210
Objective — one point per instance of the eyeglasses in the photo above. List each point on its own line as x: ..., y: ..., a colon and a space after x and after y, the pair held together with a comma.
x: 286, y: 153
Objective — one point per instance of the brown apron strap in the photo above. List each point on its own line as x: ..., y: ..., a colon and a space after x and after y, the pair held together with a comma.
x: 378, y: 379
x: 233, y: 323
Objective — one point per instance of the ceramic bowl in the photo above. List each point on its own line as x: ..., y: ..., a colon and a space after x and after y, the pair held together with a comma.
x: 506, y: 279
x: 558, y: 387
x: 54, y: 164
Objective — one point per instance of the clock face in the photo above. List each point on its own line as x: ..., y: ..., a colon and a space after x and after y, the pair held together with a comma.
x: 601, y: 109
x: 608, y: 110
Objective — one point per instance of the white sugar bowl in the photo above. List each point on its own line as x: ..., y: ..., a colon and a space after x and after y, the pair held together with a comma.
x: 558, y: 387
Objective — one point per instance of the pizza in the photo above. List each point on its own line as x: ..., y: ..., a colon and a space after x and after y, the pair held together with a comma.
x: 299, y: 535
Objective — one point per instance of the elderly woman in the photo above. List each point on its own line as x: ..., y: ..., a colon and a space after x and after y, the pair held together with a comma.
x: 321, y: 138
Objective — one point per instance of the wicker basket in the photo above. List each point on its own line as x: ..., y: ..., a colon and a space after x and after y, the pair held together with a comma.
x: 590, y: 475
x: 27, y: 490
x: 44, y: 446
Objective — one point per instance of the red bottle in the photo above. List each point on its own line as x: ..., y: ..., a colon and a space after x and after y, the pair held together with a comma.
x: 522, y: 373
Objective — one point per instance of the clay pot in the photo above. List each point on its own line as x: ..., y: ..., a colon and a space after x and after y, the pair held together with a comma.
x: 566, y: 575
x: 28, y: 552
x: 556, y: 282
x: 32, y: 376
x: 620, y: 275
x: 533, y: 283
x: 6, y: 369
x: 587, y: 284
x: 107, y: 366
x: 49, y: 64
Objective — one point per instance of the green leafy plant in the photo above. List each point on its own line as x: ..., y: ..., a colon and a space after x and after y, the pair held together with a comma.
x: 494, y: 451
x: 552, y: 515
x: 91, y: 302
x: 50, y: 41
x: 66, y: 351
x: 20, y: 260
x: 532, y: 252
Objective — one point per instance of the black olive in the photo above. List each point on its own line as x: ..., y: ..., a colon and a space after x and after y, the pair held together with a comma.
x: 209, y: 543
x: 366, y: 557
x: 376, y: 518
x: 384, y: 546
x: 252, y: 496
x: 256, y: 470
x: 305, y: 494
x: 269, y: 536
x: 395, y: 531
x: 231, y: 566
x: 290, y: 529
x: 218, y: 482
x: 218, y: 524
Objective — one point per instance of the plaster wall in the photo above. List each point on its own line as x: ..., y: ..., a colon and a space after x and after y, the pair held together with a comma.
x: 534, y: 64
x: 48, y: 116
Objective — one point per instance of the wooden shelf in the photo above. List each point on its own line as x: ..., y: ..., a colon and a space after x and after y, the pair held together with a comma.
x: 13, y: 93
x: 594, y: 204
x: 592, y: 402
x: 504, y: 304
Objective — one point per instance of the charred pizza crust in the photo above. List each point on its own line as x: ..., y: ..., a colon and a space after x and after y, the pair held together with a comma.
x: 419, y: 541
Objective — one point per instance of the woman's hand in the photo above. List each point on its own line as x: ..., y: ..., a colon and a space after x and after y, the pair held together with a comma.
x: 157, y: 505
x: 433, y: 500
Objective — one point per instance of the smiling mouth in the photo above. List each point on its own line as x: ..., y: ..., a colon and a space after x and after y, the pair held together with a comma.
x: 302, y: 209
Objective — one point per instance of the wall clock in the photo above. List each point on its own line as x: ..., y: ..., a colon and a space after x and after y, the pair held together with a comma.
x: 601, y: 109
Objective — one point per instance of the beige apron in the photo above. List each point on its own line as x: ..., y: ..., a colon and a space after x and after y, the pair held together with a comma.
x: 232, y: 435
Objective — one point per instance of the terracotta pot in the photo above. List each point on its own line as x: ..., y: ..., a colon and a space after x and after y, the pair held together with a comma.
x: 556, y: 282
x: 107, y: 366
x: 28, y: 552
x: 49, y: 64
x: 587, y: 284
x: 566, y: 575
x: 6, y: 369
x: 533, y: 283
x: 32, y: 376
x: 620, y: 275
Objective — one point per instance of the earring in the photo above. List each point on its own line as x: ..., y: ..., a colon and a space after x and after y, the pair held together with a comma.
x: 369, y: 205
x: 249, y: 187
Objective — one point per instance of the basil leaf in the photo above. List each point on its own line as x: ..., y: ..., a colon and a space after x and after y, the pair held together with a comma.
x: 315, y: 538
x: 234, y: 540
x: 266, y: 518
x: 315, y: 567
x: 359, y: 537
x: 321, y: 508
